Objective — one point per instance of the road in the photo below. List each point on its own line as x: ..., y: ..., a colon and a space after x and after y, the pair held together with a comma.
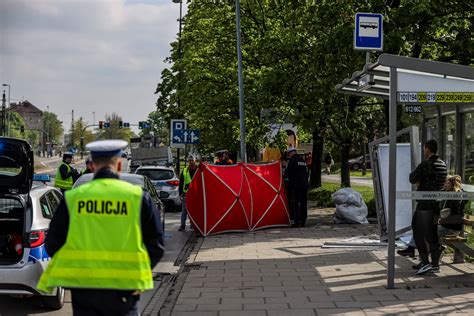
x: 174, y: 243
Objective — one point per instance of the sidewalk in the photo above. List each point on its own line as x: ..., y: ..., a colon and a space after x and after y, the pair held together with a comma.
x: 286, y: 272
x: 336, y: 178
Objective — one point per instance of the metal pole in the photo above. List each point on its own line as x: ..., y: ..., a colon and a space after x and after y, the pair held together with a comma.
x: 392, y: 176
x: 179, y: 75
x: 3, y: 113
x: 93, y: 118
x: 243, y: 151
x: 367, y: 57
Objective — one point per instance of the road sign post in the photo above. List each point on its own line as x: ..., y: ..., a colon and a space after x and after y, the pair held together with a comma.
x: 187, y: 136
x: 177, y: 126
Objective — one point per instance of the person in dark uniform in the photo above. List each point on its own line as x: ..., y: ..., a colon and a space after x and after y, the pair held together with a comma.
x: 429, y: 175
x: 66, y: 175
x: 89, y: 167
x: 104, y: 239
x: 297, y: 174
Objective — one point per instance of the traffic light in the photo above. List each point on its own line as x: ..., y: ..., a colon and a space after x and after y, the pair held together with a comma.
x: 120, y: 124
x: 140, y: 125
x: 22, y: 129
x: 126, y: 124
x: 101, y: 124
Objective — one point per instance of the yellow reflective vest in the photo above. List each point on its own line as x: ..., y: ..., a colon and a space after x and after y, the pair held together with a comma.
x: 187, y: 179
x: 61, y: 183
x: 104, y: 248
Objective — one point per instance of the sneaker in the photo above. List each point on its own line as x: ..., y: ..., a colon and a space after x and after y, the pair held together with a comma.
x: 182, y: 229
x: 435, y: 269
x: 407, y: 252
x: 424, y: 268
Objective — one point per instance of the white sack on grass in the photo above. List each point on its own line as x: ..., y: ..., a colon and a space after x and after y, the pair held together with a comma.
x: 347, y: 196
x: 350, y: 207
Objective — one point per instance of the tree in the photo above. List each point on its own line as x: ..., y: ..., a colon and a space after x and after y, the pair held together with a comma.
x: 80, y: 132
x: 52, y: 127
x: 114, y: 131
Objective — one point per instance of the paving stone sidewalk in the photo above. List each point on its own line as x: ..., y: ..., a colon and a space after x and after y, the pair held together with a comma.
x: 287, y: 272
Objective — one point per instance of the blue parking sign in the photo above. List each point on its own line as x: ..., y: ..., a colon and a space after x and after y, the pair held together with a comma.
x: 177, y: 126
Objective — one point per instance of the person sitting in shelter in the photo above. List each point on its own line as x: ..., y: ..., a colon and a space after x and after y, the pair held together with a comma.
x: 452, y: 213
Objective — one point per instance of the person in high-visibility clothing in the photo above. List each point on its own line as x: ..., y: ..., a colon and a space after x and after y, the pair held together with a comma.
x: 184, y: 182
x: 104, y: 239
x: 65, y: 174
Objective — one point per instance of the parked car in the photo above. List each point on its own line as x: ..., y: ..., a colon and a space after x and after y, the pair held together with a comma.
x: 136, y: 179
x: 165, y: 180
x: 356, y: 163
x: 26, y: 210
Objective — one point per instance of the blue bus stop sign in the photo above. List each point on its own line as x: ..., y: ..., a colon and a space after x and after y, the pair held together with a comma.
x: 368, y: 32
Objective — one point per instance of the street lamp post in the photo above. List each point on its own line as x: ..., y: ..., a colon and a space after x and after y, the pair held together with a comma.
x: 9, y: 105
x: 179, y: 71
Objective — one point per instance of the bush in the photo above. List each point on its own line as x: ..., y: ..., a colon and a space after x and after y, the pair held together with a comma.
x: 323, y: 197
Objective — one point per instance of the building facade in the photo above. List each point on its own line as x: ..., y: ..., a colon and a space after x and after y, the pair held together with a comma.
x: 32, y: 116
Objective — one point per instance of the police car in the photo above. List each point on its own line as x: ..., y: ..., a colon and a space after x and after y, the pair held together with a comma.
x: 165, y: 180
x: 25, y: 212
x: 135, y: 179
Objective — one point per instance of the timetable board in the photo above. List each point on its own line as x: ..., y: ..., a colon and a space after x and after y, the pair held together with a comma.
x: 435, y: 97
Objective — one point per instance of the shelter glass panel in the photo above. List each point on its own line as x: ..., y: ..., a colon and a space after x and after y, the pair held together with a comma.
x: 449, y: 129
x: 431, y: 127
x: 468, y: 120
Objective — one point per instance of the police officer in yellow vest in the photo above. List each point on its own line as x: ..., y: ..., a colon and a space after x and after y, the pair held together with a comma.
x: 104, y: 239
x: 65, y: 174
x: 184, y: 182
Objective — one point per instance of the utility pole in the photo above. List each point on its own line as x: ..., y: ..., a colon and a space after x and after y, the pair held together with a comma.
x: 4, y: 100
x: 72, y: 128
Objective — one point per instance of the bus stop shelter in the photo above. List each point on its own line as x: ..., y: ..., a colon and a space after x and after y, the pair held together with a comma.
x: 422, y: 85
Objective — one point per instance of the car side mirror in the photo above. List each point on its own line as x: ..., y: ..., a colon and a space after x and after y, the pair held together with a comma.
x: 163, y: 195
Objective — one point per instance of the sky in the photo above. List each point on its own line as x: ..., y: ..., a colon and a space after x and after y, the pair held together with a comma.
x: 99, y: 56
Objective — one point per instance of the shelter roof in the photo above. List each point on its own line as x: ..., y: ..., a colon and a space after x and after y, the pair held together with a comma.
x: 414, y: 75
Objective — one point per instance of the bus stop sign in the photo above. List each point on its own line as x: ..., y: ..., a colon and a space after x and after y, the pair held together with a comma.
x: 368, y: 32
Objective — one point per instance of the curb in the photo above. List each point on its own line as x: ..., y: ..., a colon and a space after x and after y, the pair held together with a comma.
x: 167, y: 293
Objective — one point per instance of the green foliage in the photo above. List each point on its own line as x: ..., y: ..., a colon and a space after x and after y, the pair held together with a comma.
x: 294, y: 53
x: 114, y: 132
x: 79, y: 131
x: 52, y: 127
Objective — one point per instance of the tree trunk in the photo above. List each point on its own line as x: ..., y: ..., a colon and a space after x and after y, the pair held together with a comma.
x: 318, y: 145
x: 345, y: 173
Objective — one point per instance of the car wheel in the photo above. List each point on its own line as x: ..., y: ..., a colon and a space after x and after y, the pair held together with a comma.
x: 56, y: 301
x: 355, y: 167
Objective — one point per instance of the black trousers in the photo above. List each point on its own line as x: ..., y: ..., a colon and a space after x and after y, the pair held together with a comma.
x: 299, y: 204
x: 92, y: 302
x: 425, y: 233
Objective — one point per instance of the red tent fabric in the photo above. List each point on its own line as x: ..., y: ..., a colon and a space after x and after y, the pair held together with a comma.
x: 241, y: 197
